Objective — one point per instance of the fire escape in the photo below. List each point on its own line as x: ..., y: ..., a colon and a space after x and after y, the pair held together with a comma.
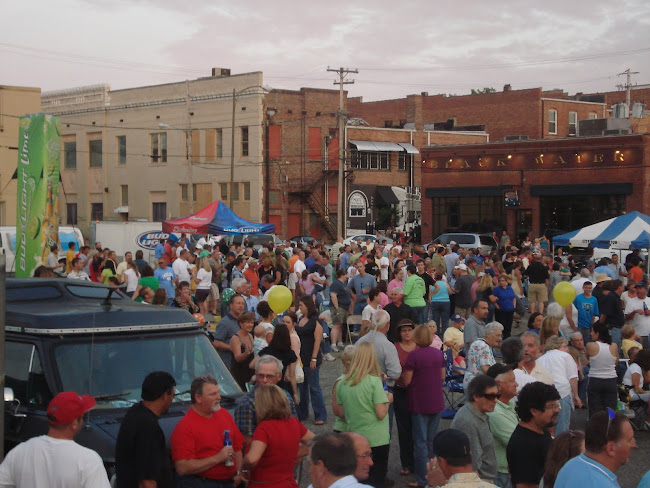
x: 311, y: 191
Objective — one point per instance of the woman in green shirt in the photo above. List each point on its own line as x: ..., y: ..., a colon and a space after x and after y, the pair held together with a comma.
x: 363, y: 402
x: 108, y: 271
x: 147, y: 279
x: 414, y: 291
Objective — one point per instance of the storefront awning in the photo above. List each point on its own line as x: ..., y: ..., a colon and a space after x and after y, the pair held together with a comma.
x: 576, y: 190
x: 386, y: 196
x: 124, y: 209
x: 373, y: 146
x: 409, y: 148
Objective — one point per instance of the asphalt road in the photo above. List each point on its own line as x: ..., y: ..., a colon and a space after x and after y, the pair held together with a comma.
x: 628, y: 476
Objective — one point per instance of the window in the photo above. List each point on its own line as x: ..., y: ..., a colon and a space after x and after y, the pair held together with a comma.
x: 121, y: 149
x: 357, y: 204
x: 593, y: 115
x: 184, y: 193
x: 71, y: 214
x: 158, y: 211
x: 370, y: 160
x: 405, y: 161
x: 573, y: 123
x: 24, y: 374
x: 274, y: 198
x: 125, y: 194
x: 224, y: 190
x: 247, y: 191
x: 70, y: 155
x: 194, y: 192
x: 159, y: 147
x: 96, y: 211
x: 219, y: 143
x: 95, y: 153
x: 244, y: 141
x: 235, y: 191
x: 552, y: 121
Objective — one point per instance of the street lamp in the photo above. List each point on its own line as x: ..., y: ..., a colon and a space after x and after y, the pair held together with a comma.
x: 235, y: 94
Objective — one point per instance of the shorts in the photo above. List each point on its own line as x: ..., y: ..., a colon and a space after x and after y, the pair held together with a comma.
x: 201, y: 295
x: 214, y: 293
x: 291, y: 281
x: 537, y: 292
x: 339, y: 315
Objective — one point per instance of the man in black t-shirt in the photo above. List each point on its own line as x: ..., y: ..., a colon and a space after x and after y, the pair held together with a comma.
x: 397, y: 310
x: 428, y: 280
x: 538, y: 407
x: 140, y: 452
x: 371, y: 265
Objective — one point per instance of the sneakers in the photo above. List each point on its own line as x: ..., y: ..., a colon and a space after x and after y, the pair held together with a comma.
x: 334, y: 348
x: 329, y: 357
x: 341, y: 346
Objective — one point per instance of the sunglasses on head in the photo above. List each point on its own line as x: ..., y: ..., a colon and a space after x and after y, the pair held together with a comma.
x: 492, y: 396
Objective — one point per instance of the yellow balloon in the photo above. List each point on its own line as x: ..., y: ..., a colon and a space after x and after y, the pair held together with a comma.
x: 564, y: 293
x: 280, y: 298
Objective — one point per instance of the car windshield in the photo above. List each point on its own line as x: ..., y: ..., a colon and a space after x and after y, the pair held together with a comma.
x: 117, y: 367
x: 260, y: 239
x: 457, y: 238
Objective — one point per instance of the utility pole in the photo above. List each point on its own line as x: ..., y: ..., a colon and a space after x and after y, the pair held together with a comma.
x: 340, y: 211
x: 628, y: 87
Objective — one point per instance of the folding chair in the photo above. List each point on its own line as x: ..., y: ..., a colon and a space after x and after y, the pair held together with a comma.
x: 452, y: 385
x: 351, y: 322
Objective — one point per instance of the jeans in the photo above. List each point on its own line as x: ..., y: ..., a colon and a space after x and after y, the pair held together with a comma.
x: 502, y: 480
x: 378, y: 470
x: 582, y: 384
x: 404, y: 431
x: 359, y: 306
x: 420, y: 313
x: 617, y: 338
x: 564, y: 417
x: 586, y: 334
x: 424, y: 428
x: 440, y: 313
x: 325, y: 344
x: 311, y: 386
x: 601, y: 394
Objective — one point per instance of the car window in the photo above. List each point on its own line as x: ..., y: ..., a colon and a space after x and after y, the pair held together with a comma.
x: 257, y: 239
x: 487, y: 241
x: 458, y: 239
x: 24, y: 374
x: 22, y: 294
x: 114, y: 369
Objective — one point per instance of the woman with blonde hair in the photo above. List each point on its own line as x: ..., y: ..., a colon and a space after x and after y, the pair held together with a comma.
x: 340, y: 425
x: 276, y: 440
x: 550, y: 328
x: 203, y: 280
x: 484, y: 292
x: 363, y: 402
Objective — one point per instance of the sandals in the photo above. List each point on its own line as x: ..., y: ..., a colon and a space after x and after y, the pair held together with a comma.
x: 319, y: 422
x: 405, y: 472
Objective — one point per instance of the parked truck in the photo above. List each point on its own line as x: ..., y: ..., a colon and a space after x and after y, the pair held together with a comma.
x: 130, y: 236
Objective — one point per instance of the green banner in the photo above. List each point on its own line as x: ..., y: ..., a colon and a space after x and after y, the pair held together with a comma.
x: 39, y: 154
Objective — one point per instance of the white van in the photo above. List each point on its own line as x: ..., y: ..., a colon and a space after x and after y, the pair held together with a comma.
x: 8, y: 242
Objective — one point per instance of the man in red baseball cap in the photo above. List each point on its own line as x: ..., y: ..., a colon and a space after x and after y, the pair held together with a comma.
x: 55, y: 459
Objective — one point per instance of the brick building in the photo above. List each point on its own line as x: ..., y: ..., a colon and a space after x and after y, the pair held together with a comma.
x: 560, y: 183
x: 531, y: 113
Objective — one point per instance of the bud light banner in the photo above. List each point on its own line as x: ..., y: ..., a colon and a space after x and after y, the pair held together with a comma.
x: 39, y: 152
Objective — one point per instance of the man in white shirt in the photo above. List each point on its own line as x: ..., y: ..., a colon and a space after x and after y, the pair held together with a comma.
x: 383, y: 266
x: 563, y: 369
x: 637, y: 311
x: 579, y: 281
x: 56, y: 459
x: 299, y: 266
x: 182, y: 268
x: 121, y: 268
x: 373, y: 305
x: 77, y: 272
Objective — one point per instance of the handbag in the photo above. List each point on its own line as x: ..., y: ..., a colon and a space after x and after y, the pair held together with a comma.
x: 520, y: 308
x: 300, y: 373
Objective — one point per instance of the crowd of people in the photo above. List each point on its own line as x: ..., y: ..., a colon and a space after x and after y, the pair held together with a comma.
x: 418, y: 318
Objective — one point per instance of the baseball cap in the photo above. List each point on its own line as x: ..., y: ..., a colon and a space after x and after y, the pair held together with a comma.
x: 452, y: 243
x: 451, y: 443
x: 68, y: 406
x: 456, y: 318
x: 499, y: 368
x: 461, y: 266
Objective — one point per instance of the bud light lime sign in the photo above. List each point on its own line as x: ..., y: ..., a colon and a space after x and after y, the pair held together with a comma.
x: 149, y: 240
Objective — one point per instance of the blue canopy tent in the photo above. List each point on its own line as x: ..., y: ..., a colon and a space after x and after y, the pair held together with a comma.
x: 628, y: 231
x: 217, y: 219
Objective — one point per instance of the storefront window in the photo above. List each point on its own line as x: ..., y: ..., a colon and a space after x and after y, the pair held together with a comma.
x: 574, y: 212
x: 467, y: 214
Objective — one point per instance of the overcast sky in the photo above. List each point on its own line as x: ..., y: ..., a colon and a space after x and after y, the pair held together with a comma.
x: 400, y: 48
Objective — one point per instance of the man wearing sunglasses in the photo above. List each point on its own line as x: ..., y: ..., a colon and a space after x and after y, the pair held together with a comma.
x: 472, y: 419
x: 609, y: 440
x: 538, y: 407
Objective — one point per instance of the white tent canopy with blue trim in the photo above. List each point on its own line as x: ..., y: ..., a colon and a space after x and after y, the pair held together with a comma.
x: 628, y: 231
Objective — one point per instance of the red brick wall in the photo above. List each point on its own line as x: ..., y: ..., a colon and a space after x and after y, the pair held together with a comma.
x: 563, y: 108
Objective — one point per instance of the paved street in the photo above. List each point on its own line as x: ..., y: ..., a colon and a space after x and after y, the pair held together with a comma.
x: 628, y: 476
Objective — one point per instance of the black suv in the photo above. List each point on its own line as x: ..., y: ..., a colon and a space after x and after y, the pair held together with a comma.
x: 64, y: 335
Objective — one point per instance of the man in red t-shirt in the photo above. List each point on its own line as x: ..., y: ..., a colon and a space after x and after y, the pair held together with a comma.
x: 197, y: 441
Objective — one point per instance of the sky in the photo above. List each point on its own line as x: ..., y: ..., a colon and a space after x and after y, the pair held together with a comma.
x: 399, y: 48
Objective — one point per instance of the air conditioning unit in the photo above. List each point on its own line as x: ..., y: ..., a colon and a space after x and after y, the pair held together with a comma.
x: 220, y: 71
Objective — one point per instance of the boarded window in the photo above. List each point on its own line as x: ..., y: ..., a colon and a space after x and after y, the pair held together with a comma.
x: 313, y: 144
x: 97, y: 211
x: 121, y: 149
x: 158, y: 211
x: 70, y: 154
x: 196, y: 146
x: 95, y: 153
x: 210, y: 144
x: 275, y: 141
x: 71, y: 214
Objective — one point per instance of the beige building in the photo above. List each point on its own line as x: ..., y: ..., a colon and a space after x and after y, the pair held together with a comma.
x: 160, y: 151
x: 15, y: 101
